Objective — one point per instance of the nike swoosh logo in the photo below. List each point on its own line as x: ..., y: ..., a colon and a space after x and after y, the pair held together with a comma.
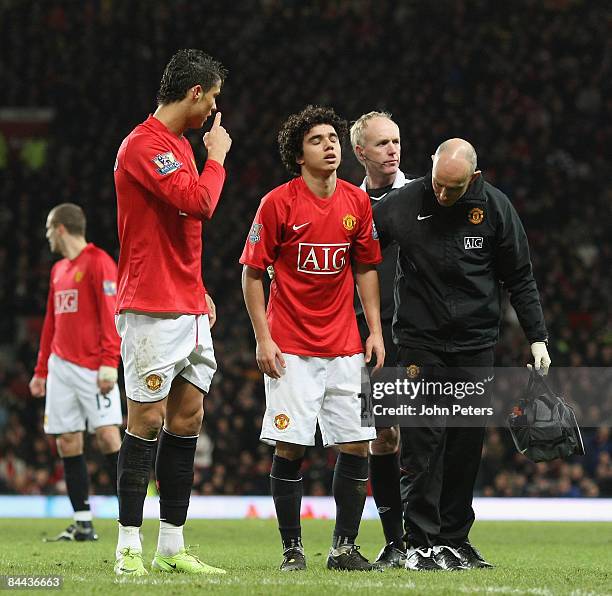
x: 300, y: 226
x: 384, y: 509
x: 420, y: 217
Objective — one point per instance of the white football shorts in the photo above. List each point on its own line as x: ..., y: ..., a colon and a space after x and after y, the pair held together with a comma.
x: 311, y: 390
x: 74, y: 402
x: 157, y: 348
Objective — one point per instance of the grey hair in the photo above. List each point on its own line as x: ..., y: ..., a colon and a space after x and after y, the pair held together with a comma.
x: 359, y: 126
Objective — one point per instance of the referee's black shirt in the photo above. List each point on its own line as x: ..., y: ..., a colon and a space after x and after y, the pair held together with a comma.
x: 385, y: 269
x: 452, y: 263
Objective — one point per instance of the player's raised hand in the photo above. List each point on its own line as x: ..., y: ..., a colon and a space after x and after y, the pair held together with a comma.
x: 217, y: 140
x: 270, y: 359
x: 38, y: 386
x: 375, y: 346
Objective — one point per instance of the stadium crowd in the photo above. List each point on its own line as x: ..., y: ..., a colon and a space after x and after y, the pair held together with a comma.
x: 527, y: 83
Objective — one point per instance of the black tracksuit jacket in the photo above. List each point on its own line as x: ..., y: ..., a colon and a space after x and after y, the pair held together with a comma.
x: 452, y: 264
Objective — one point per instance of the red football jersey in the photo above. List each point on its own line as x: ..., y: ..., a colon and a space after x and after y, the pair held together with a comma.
x: 80, y: 319
x: 161, y: 202
x: 311, y: 242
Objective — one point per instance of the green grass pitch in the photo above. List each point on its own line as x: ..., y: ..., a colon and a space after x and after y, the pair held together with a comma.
x: 531, y: 558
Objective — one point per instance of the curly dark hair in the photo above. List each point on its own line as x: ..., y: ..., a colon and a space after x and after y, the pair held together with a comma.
x: 186, y: 69
x: 294, y: 129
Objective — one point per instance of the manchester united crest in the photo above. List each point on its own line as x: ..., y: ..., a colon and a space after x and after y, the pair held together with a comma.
x: 281, y: 421
x: 475, y: 215
x: 349, y: 221
x: 78, y: 276
x: 153, y: 382
x: 413, y: 371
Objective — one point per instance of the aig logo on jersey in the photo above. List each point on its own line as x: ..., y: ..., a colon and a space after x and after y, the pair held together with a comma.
x: 166, y: 163
x: 470, y: 242
x: 322, y: 259
x: 66, y: 301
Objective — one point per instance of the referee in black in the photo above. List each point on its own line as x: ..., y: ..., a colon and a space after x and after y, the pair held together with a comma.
x: 376, y: 142
x: 460, y: 239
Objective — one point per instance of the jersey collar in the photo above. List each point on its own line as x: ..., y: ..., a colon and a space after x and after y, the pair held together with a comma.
x: 400, y: 180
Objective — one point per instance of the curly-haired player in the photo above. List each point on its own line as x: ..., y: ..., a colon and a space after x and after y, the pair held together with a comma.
x: 291, y: 135
x: 317, y: 231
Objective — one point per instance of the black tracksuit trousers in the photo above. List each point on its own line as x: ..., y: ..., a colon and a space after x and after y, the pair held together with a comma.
x: 440, y: 462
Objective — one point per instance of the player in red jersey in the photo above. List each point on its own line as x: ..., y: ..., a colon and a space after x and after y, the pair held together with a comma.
x: 317, y: 231
x: 78, y: 359
x: 164, y: 314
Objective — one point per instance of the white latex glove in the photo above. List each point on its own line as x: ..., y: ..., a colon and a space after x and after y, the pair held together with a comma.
x: 541, y: 359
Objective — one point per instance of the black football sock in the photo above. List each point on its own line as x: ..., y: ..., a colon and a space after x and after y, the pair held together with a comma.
x: 133, y: 470
x: 174, y: 472
x: 111, y: 468
x: 349, y: 489
x: 77, y: 482
x: 385, y: 481
x: 287, y: 487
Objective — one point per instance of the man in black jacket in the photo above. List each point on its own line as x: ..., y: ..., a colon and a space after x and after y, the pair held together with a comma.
x: 375, y: 138
x: 459, y: 240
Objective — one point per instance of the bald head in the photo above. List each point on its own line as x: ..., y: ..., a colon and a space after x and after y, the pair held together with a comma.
x: 454, y: 169
x: 460, y: 150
